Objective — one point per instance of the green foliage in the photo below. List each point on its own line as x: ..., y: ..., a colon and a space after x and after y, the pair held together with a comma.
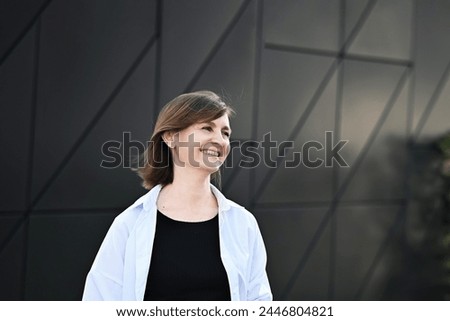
x: 444, y: 145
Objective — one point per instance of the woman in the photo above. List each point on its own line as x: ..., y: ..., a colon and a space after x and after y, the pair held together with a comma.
x: 183, y: 240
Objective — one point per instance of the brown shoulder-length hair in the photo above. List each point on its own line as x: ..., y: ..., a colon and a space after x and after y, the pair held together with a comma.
x: 156, y: 163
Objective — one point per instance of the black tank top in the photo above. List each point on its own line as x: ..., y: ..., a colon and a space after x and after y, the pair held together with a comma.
x: 186, y: 263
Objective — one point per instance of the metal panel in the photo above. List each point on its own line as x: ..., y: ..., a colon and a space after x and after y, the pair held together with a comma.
x: 361, y: 233
x: 310, y: 180
x: 191, y: 31
x: 16, y: 21
x: 16, y: 101
x: 61, y: 248
x: 366, y: 114
x: 435, y: 121
x: 82, y: 62
x: 387, y: 31
x: 302, y: 23
x: 128, y: 122
x: 288, y: 83
x: 108, y: 66
x: 287, y: 233
x: 231, y: 72
x: 432, y: 51
x: 12, y: 260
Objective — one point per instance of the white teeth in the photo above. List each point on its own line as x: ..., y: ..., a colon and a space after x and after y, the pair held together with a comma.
x: 210, y: 152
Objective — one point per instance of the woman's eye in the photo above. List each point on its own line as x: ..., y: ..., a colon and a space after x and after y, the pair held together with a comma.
x: 208, y: 128
x: 226, y: 134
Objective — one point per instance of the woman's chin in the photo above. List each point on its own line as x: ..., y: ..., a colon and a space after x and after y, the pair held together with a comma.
x: 211, y: 167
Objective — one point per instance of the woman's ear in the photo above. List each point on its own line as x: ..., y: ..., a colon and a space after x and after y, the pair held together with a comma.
x: 168, y: 138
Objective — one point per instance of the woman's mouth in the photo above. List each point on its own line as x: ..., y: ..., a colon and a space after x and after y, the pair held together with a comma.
x: 211, y: 152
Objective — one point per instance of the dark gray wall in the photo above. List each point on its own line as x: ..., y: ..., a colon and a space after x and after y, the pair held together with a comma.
x: 75, y: 74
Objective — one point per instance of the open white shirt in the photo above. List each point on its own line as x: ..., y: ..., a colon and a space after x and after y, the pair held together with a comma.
x: 120, y: 269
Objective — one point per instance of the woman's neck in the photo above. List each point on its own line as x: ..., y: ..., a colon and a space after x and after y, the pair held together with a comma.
x: 188, y: 197
x: 191, y: 190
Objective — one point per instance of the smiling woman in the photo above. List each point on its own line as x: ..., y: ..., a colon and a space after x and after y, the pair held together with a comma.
x: 183, y: 240
x: 178, y: 123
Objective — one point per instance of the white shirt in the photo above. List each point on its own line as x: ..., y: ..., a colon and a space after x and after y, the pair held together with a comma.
x: 120, y: 269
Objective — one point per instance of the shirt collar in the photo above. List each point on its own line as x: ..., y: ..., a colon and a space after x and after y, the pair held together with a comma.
x: 151, y: 197
x: 224, y: 205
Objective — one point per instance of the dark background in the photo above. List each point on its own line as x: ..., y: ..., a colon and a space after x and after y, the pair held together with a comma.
x: 77, y: 73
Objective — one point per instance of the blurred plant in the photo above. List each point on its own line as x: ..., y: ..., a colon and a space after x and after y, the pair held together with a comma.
x: 444, y: 147
x: 429, y: 240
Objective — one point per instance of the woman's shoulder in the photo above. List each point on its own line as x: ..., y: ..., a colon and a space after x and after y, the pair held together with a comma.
x: 238, y: 208
x: 129, y: 216
x: 240, y: 214
x: 233, y: 209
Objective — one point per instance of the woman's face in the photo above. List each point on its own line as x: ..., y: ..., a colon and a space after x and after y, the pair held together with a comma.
x: 203, y: 145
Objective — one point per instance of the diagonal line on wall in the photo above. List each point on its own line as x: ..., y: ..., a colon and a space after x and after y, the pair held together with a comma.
x: 359, y: 24
x: 14, y: 230
x: 297, y: 128
x: 345, y: 184
x: 432, y: 102
x: 82, y: 137
x: 24, y: 32
x: 217, y: 46
x: 381, y: 250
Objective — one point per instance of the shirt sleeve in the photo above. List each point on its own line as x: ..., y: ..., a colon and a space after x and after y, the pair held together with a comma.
x: 104, y: 280
x: 259, y: 287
